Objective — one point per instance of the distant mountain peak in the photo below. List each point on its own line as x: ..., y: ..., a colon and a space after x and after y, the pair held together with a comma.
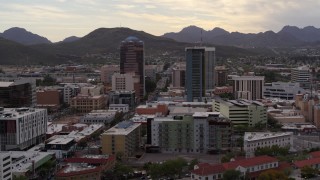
x: 22, y: 36
x: 71, y: 39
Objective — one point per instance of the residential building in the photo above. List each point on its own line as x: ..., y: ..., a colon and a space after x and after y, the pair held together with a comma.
x: 282, y: 90
x: 123, y: 97
x: 254, y: 140
x: 132, y: 61
x: 87, y: 103
x: 200, y: 62
x: 220, y: 75
x: 179, y: 75
x: 119, y: 107
x: 125, y: 82
x: 248, y: 87
x: 203, y: 132
x: 122, y: 138
x: 241, y: 112
x: 249, y: 168
x: 5, y: 166
x: 86, y: 167
x: 301, y: 75
x: 107, y: 71
x: 17, y: 92
x: 21, y: 128
x: 99, y: 116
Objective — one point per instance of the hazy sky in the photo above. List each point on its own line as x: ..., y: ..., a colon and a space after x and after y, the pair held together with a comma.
x: 57, y: 19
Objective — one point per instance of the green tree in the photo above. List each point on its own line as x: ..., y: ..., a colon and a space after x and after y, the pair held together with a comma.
x: 121, y: 170
x: 308, y: 172
x: 274, y: 150
x: 47, y: 81
x: 192, y: 163
x: 272, y: 174
x: 21, y: 177
x: 231, y: 175
x: 227, y: 157
x: 118, y: 117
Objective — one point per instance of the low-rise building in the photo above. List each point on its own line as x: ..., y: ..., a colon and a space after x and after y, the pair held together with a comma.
x: 223, y: 90
x: 49, y: 98
x: 249, y: 168
x: 86, y: 167
x: 299, y: 128
x: 286, y: 115
x: 99, y: 116
x: 87, y: 103
x: 122, y: 138
x: 153, y: 109
x: 282, y: 90
x: 119, y: 107
x: 254, y: 140
x: 62, y: 147
x: 123, y: 97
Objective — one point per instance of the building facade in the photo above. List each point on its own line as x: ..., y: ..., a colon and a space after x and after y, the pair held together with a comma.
x: 302, y: 76
x: 241, y: 112
x: 220, y: 75
x: 283, y: 90
x: 17, y: 92
x: 125, y: 82
x: 70, y: 91
x: 132, y: 61
x: 254, y: 140
x: 200, y: 62
x: 122, y: 138
x: 86, y: 103
x: 21, y: 128
x: 123, y: 97
x: 107, y: 71
x: 248, y: 87
x: 179, y: 75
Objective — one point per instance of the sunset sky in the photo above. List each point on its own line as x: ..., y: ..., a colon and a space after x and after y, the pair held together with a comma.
x: 57, y: 19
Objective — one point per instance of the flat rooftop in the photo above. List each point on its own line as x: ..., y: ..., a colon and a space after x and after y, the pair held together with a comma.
x: 77, y: 167
x: 15, y: 113
x: 65, y: 140
x: 122, y: 128
x: 254, y: 136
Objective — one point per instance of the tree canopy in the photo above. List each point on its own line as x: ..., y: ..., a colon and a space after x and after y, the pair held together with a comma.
x: 231, y: 175
x: 272, y: 174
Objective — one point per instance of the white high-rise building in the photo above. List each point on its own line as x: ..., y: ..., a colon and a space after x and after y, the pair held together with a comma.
x: 24, y: 127
x: 301, y: 75
x: 248, y: 87
x: 70, y: 91
x: 5, y: 166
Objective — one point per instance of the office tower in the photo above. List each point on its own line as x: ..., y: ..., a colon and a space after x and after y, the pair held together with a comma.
x: 107, y: 71
x: 21, y: 128
x: 125, y: 82
x: 301, y: 75
x: 200, y: 62
x: 248, y: 87
x: 17, y: 92
x: 132, y: 61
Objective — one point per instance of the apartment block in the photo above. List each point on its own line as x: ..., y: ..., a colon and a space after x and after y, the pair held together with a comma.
x: 122, y: 138
x: 301, y: 75
x: 248, y: 87
x: 21, y: 128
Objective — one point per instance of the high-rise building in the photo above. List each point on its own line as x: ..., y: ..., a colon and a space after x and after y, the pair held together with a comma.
x: 301, y: 75
x: 200, y: 62
x: 21, y: 128
x: 132, y: 61
x: 125, y: 82
x: 248, y: 87
x: 17, y: 92
x: 107, y: 71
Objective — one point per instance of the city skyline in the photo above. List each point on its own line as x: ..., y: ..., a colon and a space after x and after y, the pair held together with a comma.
x: 59, y: 19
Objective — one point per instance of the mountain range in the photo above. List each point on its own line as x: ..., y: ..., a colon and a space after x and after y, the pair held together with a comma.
x: 100, y: 41
x: 288, y: 36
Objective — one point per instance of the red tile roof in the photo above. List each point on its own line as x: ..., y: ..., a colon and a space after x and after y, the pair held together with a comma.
x: 315, y: 154
x: 61, y: 173
x: 207, y: 169
x: 307, y: 162
x: 250, y: 162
